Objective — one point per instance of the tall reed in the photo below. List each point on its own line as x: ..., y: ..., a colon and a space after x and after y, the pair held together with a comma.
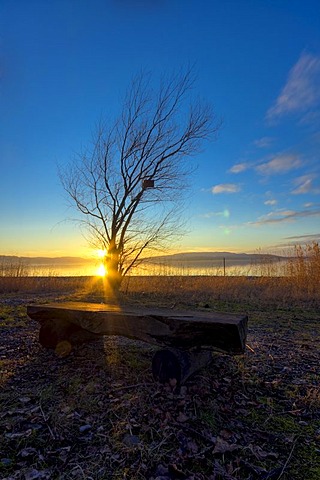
x: 303, y: 268
x: 13, y: 267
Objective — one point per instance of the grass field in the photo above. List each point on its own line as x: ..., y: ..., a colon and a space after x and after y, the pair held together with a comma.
x: 97, y: 414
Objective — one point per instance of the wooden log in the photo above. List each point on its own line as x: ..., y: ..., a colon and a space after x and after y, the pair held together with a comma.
x: 174, y: 366
x: 164, y: 327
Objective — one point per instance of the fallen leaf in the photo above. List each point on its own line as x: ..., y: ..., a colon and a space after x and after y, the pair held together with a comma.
x: 223, y: 447
x: 24, y: 399
x: 85, y: 428
x: 226, y: 434
x: 32, y: 474
x: 27, y: 452
x: 182, y: 418
x: 192, y: 447
x: 261, y: 454
x: 131, y: 440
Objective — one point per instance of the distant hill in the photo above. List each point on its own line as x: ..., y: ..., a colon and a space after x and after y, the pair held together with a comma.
x: 200, y: 259
x: 186, y: 258
x: 58, y: 261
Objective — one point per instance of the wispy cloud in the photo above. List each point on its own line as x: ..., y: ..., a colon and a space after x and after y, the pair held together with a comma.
x: 285, y: 216
x: 239, y: 167
x: 270, y: 202
x: 302, y: 89
x: 279, y: 164
x: 225, y: 188
x: 225, y: 214
x: 298, y: 240
x: 304, y: 184
x: 309, y: 204
x: 263, y: 142
x: 305, y: 238
x: 310, y: 118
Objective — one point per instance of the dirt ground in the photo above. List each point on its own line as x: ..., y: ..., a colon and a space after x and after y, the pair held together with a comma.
x: 98, y: 414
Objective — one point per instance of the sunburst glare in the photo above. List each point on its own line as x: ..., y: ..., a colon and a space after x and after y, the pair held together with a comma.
x: 101, y: 271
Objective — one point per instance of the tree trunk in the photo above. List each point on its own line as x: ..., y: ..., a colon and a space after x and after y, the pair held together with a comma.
x: 114, y: 278
x: 112, y: 263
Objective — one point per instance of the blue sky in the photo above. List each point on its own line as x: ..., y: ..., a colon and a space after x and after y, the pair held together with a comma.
x: 64, y: 64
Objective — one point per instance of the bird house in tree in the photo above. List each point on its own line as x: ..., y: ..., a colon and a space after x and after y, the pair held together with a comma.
x: 147, y: 183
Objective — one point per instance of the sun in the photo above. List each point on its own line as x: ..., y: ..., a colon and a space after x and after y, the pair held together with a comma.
x: 101, y: 271
x: 101, y: 253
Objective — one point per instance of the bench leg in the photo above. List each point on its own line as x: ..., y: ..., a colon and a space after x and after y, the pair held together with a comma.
x: 52, y: 332
x: 56, y: 332
x: 175, y: 366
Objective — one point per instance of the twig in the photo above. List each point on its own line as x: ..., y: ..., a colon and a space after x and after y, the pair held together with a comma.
x: 251, y: 349
x: 46, y: 422
x: 160, y: 444
x: 288, y: 459
x: 273, y: 414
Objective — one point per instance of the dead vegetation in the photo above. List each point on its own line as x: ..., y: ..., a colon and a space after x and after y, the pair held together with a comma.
x: 97, y: 414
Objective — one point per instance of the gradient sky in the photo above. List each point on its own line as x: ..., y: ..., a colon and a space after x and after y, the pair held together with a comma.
x: 65, y: 63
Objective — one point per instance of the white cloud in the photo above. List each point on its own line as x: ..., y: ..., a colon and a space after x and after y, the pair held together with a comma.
x: 279, y: 164
x: 285, y: 216
x: 239, y: 167
x: 305, y: 185
x: 208, y: 215
x: 263, y: 142
x: 225, y: 188
x: 225, y: 213
x: 302, y: 90
x: 270, y: 202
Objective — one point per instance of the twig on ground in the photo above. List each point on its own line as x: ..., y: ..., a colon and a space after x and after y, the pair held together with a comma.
x: 251, y: 349
x: 46, y: 422
x: 288, y: 459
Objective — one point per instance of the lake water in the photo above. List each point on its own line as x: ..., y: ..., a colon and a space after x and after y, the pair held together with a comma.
x: 194, y: 266
x: 173, y: 269
x: 67, y: 270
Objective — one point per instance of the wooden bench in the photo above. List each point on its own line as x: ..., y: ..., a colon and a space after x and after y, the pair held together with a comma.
x: 187, y: 338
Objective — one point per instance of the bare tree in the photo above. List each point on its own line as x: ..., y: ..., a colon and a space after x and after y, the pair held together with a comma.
x: 129, y: 184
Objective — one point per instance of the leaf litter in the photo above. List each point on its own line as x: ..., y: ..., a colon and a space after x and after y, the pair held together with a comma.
x: 97, y: 414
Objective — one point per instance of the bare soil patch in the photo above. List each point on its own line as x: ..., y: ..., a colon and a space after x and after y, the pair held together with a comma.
x: 97, y: 413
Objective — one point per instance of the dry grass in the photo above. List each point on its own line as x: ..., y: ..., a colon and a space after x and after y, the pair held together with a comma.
x: 50, y: 284
x: 299, y: 284
x: 283, y: 290
x: 295, y: 291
